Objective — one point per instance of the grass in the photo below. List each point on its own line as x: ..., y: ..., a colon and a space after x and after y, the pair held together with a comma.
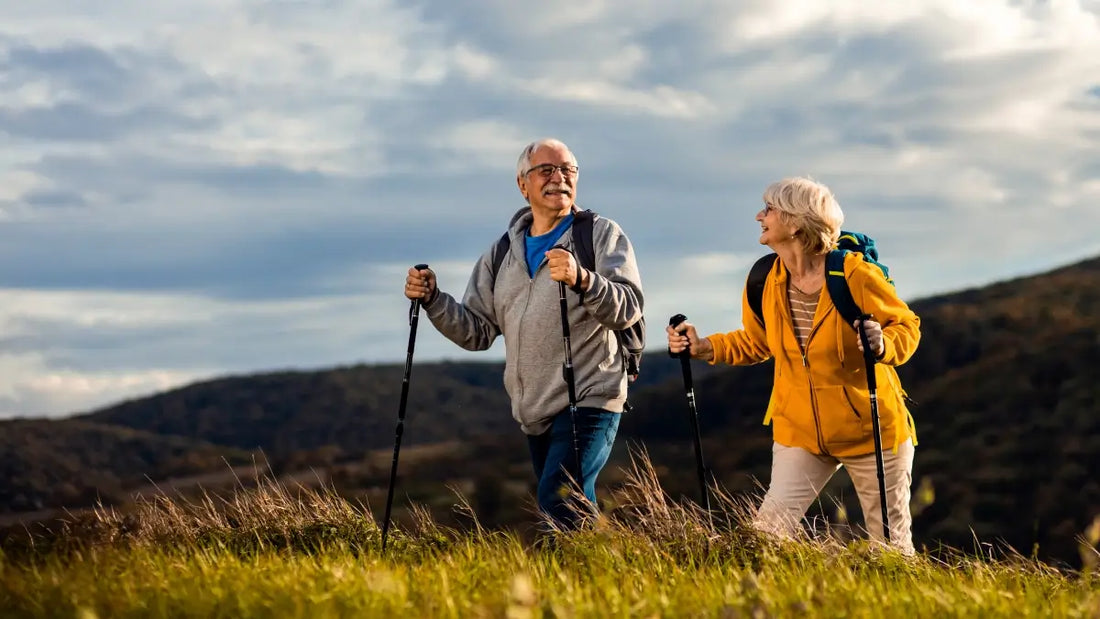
x: 277, y: 552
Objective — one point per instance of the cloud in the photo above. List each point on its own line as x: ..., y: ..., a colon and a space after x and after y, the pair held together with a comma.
x: 191, y: 188
x: 34, y: 388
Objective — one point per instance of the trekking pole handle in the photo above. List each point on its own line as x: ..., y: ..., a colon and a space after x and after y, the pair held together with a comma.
x: 868, y: 354
x: 415, y: 308
x: 675, y: 322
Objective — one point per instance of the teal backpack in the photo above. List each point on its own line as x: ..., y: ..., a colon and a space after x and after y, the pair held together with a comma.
x: 835, y: 282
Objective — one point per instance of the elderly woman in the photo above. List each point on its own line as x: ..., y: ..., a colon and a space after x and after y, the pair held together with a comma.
x: 820, y: 407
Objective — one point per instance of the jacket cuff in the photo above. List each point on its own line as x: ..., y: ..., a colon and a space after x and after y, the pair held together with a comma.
x: 435, y: 295
x: 886, y: 352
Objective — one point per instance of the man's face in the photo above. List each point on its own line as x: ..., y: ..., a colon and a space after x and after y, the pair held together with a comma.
x: 550, y: 184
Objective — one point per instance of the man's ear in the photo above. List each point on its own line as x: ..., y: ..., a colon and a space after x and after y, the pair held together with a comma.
x: 522, y: 187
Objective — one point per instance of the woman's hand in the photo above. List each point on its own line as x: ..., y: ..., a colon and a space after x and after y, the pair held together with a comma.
x: 685, y: 337
x: 874, y: 336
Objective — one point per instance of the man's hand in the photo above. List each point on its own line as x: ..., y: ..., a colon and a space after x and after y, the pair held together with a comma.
x: 420, y: 284
x: 563, y: 268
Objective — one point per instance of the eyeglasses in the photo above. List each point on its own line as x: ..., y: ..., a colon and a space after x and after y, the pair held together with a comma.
x: 546, y: 170
x: 768, y: 208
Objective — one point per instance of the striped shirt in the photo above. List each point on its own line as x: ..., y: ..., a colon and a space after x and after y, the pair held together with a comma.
x: 803, y: 307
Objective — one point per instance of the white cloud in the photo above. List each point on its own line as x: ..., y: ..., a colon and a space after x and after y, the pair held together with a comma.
x: 474, y: 64
x: 483, y: 143
x: 15, y: 183
x: 31, y: 387
x: 660, y: 100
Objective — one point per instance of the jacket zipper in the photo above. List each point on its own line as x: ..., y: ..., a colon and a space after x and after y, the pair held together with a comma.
x: 519, y: 334
x: 809, y: 376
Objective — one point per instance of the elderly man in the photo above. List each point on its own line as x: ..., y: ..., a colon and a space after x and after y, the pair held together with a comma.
x: 518, y: 297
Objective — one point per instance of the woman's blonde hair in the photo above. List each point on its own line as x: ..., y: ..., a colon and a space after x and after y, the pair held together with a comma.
x: 811, y: 208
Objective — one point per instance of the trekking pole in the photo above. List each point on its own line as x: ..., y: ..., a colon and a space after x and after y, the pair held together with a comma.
x: 567, y: 372
x: 414, y: 317
x: 693, y: 413
x: 869, y: 357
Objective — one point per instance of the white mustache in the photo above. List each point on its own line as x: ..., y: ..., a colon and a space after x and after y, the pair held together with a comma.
x: 557, y: 188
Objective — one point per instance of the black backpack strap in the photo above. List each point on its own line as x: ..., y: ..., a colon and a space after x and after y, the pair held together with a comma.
x: 582, y: 238
x: 754, y: 285
x: 500, y: 250
x: 837, y: 284
x: 583, y: 245
x: 585, y: 251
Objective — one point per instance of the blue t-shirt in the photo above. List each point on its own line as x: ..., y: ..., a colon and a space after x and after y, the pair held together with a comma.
x: 537, y: 246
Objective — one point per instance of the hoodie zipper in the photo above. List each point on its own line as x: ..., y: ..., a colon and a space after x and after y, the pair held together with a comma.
x: 527, y: 306
x: 519, y: 332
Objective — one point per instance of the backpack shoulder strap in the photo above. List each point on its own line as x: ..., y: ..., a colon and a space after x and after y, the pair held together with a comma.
x: 500, y: 250
x: 837, y: 284
x: 582, y: 238
x: 754, y: 285
x: 632, y: 339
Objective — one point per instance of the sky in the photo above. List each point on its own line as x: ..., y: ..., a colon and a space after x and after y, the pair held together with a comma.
x: 198, y: 188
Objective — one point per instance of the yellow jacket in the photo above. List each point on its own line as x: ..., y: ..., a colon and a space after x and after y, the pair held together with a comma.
x: 820, y: 401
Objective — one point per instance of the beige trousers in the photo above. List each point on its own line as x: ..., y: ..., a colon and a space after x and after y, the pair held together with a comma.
x: 798, y: 476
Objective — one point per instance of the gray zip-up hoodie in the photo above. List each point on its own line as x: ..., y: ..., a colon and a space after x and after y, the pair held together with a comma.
x: 528, y: 313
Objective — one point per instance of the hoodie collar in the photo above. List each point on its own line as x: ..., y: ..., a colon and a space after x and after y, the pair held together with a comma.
x: 522, y: 220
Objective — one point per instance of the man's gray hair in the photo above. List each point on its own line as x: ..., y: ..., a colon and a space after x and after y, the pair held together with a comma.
x: 524, y: 162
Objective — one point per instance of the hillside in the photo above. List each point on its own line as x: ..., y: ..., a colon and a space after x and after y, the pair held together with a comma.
x: 352, y: 409
x: 74, y: 463
x: 1004, y: 380
x: 1009, y: 414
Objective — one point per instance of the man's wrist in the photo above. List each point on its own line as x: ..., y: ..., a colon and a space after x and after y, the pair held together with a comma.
x: 580, y: 285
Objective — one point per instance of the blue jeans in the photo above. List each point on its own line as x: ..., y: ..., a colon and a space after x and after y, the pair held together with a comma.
x: 552, y: 455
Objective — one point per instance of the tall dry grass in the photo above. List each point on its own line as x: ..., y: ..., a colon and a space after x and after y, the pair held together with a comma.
x: 272, y: 550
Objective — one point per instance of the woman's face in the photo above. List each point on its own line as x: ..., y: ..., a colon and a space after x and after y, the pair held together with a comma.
x: 772, y: 228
